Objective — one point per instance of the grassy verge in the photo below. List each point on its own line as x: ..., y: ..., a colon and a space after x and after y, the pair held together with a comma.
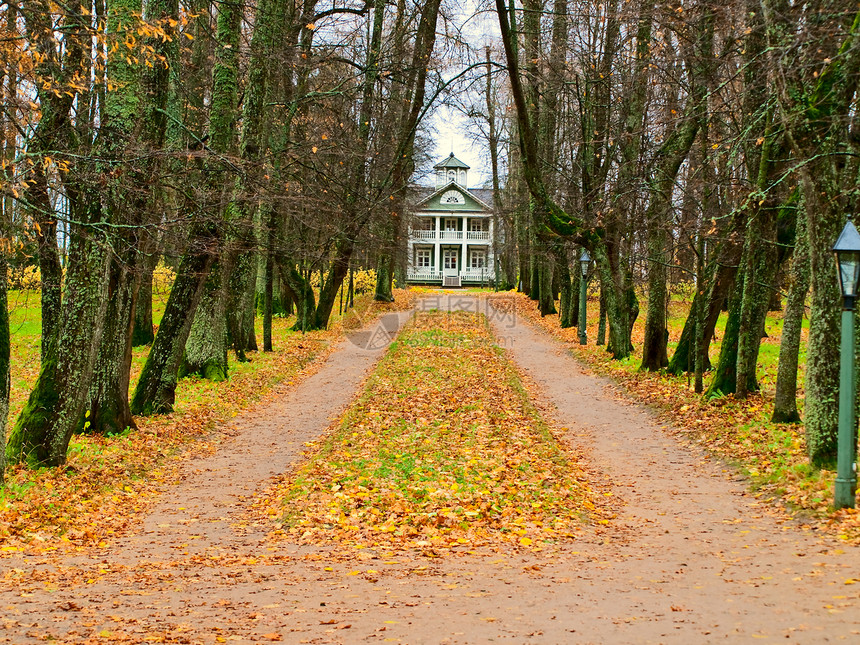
x: 772, y: 455
x: 107, y: 481
x: 443, y: 449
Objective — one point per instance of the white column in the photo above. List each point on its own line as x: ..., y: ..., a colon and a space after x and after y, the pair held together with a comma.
x: 437, y: 246
x: 463, y: 257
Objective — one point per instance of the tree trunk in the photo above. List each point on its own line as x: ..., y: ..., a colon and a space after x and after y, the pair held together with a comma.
x: 143, y: 326
x: 566, y: 294
x: 720, y: 278
x: 304, y: 297
x: 50, y: 270
x: 206, y: 347
x: 669, y: 159
x: 334, y: 279
x: 239, y: 313
x: 5, y: 350
x: 267, y: 300
x: 601, y: 325
x: 816, y: 91
x: 41, y: 434
x: 654, y: 347
x: 524, y: 251
x: 725, y: 375
x: 701, y: 351
x: 156, y: 388
x: 545, y: 301
x: 785, y: 399
x: 821, y: 412
x: 109, y: 411
x: 384, y: 278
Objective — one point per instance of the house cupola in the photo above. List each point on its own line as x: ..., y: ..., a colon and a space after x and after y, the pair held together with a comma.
x: 451, y: 169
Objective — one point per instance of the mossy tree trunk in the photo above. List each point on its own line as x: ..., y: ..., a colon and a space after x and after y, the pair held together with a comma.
x: 785, y: 398
x: 304, y: 298
x: 385, y: 277
x: 268, y: 279
x: 546, y: 302
x: 821, y: 419
x: 143, y: 333
x: 57, y: 402
x: 108, y: 410
x: 240, y: 308
x: 42, y: 432
x: 156, y: 388
x: 144, y: 90
x: 8, y: 155
x: 206, y: 347
x: 270, y: 24
x: 725, y: 374
x: 816, y: 93
x: 567, y: 295
x: 5, y: 353
x: 601, y: 325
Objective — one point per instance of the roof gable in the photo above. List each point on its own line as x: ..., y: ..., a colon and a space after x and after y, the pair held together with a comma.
x: 441, y: 200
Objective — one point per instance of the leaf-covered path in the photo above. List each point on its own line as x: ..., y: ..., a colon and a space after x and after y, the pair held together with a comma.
x: 691, y: 557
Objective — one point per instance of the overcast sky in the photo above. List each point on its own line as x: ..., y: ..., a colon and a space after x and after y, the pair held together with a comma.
x: 451, y: 126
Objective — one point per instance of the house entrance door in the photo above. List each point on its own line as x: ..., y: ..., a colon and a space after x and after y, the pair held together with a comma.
x: 449, y: 262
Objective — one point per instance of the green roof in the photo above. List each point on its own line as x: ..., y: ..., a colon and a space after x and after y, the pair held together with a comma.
x: 450, y: 162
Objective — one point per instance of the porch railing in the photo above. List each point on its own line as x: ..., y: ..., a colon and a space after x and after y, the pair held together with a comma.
x: 423, y: 275
x: 477, y: 275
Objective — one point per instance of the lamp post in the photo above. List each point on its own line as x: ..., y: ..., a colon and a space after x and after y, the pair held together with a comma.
x: 584, y: 261
x: 847, y: 251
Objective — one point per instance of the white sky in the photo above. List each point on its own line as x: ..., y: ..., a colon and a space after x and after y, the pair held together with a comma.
x: 451, y: 126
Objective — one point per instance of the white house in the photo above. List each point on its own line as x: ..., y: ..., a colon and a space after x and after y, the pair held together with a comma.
x: 450, y: 239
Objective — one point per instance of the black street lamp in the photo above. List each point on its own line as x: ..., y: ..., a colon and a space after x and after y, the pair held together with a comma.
x: 584, y: 262
x: 847, y: 252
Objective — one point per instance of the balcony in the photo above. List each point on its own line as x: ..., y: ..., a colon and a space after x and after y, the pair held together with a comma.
x: 424, y: 235
x: 451, y: 235
x: 478, y: 235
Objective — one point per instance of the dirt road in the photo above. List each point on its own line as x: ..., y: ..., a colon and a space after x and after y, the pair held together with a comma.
x: 691, y: 558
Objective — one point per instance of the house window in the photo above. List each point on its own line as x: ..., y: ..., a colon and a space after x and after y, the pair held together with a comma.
x: 422, y: 258
x: 478, y: 259
x: 424, y: 224
x: 450, y: 259
x: 477, y: 225
x: 451, y: 224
